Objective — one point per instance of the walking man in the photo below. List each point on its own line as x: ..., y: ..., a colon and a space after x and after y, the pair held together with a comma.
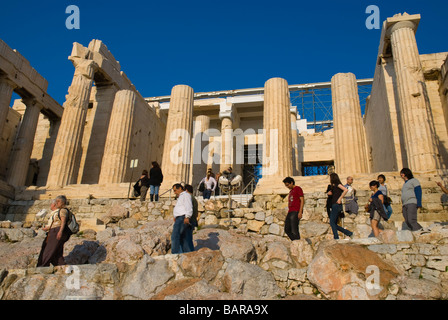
x: 411, y: 198
x: 182, y: 213
x: 296, y: 201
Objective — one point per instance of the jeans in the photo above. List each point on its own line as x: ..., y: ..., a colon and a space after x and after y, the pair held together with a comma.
x: 389, y: 211
x: 154, y: 189
x: 207, y: 193
x: 334, y: 214
x: 178, y: 237
x: 292, y: 225
x: 188, y: 245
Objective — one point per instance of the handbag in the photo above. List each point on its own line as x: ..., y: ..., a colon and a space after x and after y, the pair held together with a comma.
x: 201, y: 186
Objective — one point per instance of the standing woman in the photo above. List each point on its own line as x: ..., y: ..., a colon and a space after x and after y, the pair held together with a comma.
x: 338, y: 191
x: 57, y: 234
x: 155, y: 180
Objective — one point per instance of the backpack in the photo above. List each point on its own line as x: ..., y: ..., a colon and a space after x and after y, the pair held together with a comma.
x: 72, y: 225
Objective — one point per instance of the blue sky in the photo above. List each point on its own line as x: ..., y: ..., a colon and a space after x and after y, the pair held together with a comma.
x: 213, y: 45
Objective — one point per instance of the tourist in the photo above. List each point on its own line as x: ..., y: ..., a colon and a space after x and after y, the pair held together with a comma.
x: 143, y: 183
x: 338, y: 191
x: 209, y: 185
x: 383, y: 188
x: 183, y: 210
x: 188, y: 244
x: 155, y: 180
x: 350, y: 199
x: 296, y: 201
x: 411, y: 199
x: 376, y: 207
x: 217, y: 189
x: 52, y: 250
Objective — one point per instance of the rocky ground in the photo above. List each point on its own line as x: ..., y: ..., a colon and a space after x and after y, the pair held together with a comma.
x: 130, y: 260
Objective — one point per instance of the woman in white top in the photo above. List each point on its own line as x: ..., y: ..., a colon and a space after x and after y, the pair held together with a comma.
x: 209, y: 185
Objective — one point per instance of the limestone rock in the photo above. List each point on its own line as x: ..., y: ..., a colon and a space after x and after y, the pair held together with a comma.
x: 250, y: 281
x: 203, y: 264
x: 340, y: 271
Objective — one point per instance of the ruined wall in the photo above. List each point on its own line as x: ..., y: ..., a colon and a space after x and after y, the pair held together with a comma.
x: 316, y: 146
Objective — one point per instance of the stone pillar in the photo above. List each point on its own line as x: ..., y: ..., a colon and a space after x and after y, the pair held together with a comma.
x: 176, y: 150
x: 119, y: 136
x: 296, y: 165
x: 349, y: 136
x: 6, y: 90
x: 200, y: 142
x: 64, y: 169
x: 277, y: 148
x: 226, y: 142
x: 23, y: 146
x: 417, y: 124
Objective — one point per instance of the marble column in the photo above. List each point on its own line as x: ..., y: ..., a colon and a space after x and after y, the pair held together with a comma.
x: 119, y: 136
x: 200, y: 142
x: 296, y: 166
x: 23, y: 145
x: 277, y: 149
x: 6, y: 90
x: 349, y: 135
x: 176, y: 149
x: 64, y: 168
x: 226, y: 142
x: 417, y: 122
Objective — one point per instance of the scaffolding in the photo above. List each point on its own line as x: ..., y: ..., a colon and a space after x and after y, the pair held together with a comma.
x: 314, y: 103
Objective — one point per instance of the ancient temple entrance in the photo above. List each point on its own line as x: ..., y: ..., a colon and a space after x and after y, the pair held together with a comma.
x: 316, y: 168
x: 252, y: 169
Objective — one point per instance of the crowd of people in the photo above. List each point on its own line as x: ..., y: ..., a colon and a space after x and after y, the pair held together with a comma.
x: 341, y: 199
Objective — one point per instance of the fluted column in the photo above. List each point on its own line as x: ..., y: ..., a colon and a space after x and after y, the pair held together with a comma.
x: 296, y: 166
x: 6, y: 90
x: 350, y: 151
x: 63, y: 170
x: 417, y: 124
x: 23, y: 146
x: 119, y: 135
x: 226, y: 143
x: 277, y: 152
x: 200, y: 144
x: 176, y: 150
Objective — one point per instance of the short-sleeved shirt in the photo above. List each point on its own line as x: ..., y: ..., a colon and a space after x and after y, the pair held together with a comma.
x: 294, y: 199
x: 407, y: 192
x: 337, y: 192
x: 57, y: 216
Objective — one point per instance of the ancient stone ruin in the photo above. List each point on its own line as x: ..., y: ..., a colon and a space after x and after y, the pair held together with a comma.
x: 84, y: 148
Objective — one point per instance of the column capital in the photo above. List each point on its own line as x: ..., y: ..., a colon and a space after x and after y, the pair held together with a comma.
x: 31, y: 102
x: 84, y: 67
x: 400, y: 25
x: 226, y: 114
x: 7, y: 80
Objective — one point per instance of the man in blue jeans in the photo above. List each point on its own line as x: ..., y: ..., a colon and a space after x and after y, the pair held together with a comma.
x: 182, y: 213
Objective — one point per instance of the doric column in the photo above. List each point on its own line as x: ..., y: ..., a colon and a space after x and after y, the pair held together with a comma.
x: 418, y: 126
x: 63, y: 170
x: 118, y: 142
x: 226, y: 142
x: 176, y: 150
x: 200, y: 143
x: 277, y: 152
x: 350, y: 151
x: 23, y: 146
x: 296, y: 166
x: 6, y: 90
